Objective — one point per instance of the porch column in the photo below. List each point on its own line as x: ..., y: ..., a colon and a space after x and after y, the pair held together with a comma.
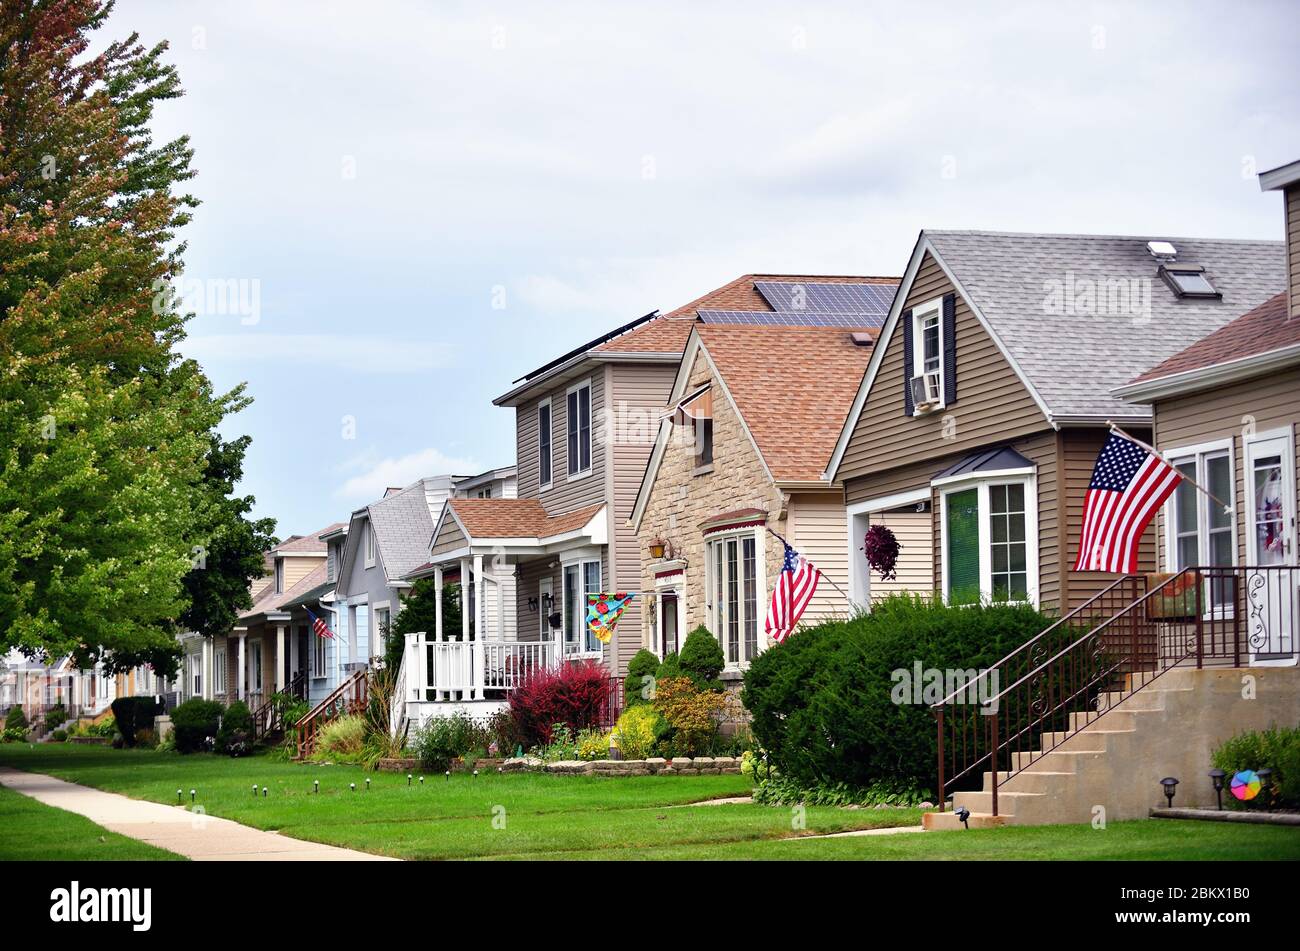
x: 464, y: 598
x: 501, y: 612
x: 205, y: 671
x: 241, y: 685
x: 437, y: 603
x: 294, y: 659
x: 279, y: 657
x: 417, y: 666
x: 480, y: 625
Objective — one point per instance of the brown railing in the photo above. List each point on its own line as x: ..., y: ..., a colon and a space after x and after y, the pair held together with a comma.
x: 611, y: 707
x: 268, y: 717
x: 348, y: 697
x: 1064, y: 679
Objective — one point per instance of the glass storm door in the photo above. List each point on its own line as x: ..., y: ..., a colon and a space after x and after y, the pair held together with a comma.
x: 1271, y: 601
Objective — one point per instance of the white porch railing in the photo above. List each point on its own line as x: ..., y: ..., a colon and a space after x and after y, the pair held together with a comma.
x: 439, y: 668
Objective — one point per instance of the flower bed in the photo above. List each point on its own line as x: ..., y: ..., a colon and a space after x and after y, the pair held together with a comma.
x: 652, y: 766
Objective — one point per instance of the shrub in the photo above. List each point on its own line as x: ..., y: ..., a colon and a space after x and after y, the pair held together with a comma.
x: 563, y: 745
x: 701, y: 659
x: 56, y: 716
x: 689, y: 714
x: 635, y: 732
x: 642, y: 665
x: 234, y: 734
x: 195, y: 724
x: 443, y: 739
x: 146, y: 739
x: 343, y: 736
x: 106, y: 727
x: 134, y: 713
x: 1276, y: 749
x: 59, y: 736
x: 15, y: 719
x: 502, y: 737
x: 821, y: 701
x: 669, y: 667
x: 13, y: 734
x: 573, y: 694
x: 593, y: 745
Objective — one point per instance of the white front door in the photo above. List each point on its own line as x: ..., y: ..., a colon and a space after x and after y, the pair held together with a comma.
x: 1271, y: 590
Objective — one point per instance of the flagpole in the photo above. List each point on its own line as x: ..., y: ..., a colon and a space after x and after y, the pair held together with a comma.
x: 1159, y: 455
x: 823, y: 574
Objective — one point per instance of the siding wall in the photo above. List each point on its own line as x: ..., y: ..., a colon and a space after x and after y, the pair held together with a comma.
x: 818, y: 529
x: 1260, y: 405
x: 992, y: 404
x: 1293, y: 247
x: 449, y: 539
x: 563, y: 495
x: 915, y: 569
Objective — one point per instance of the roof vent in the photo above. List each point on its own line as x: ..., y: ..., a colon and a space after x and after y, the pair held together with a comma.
x: 862, y: 339
x: 1162, y: 249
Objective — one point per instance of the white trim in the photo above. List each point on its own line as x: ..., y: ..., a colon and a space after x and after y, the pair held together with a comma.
x: 587, y: 558
x: 550, y: 425
x: 1287, y: 436
x: 981, y: 484
x: 923, y: 246
x: 859, y: 572
x: 578, y: 474
x: 1219, y: 374
x: 920, y: 312
x: 983, y: 474
x: 1196, y: 454
x: 1280, y: 177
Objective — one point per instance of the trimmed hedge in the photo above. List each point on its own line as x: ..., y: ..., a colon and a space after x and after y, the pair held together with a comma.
x: 194, y: 723
x: 643, y: 664
x: 822, y: 703
x: 701, y: 659
x: 134, y: 713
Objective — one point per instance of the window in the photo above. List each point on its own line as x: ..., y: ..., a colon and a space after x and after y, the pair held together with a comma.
x: 581, y: 578
x: 1188, y: 280
x: 331, y: 562
x: 733, y: 586
x: 279, y: 576
x: 990, y: 549
x: 703, y: 443
x: 318, y: 656
x: 370, y: 545
x: 927, y: 355
x: 696, y: 411
x: 255, y: 667
x: 1199, y: 533
x: 579, y: 430
x: 361, y: 624
x: 219, y: 672
x: 484, y: 493
x: 195, y: 664
x: 544, y: 443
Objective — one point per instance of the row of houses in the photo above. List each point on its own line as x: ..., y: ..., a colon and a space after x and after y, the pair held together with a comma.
x: 962, y: 404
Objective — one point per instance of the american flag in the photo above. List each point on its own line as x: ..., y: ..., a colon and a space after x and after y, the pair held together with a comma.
x: 1129, y: 482
x: 795, y: 587
x: 319, y: 627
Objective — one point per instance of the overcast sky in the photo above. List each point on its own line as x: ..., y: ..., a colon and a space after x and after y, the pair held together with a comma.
x: 426, y: 200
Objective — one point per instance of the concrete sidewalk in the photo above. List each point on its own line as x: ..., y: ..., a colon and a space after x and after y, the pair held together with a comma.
x: 195, y: 835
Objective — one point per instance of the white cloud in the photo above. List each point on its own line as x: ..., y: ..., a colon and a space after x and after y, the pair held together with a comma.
x: 374, y: 475
x: 359, y: 354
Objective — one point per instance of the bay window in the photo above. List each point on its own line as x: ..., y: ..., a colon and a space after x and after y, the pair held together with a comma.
x: 733, y: 566
x: 989, y: 534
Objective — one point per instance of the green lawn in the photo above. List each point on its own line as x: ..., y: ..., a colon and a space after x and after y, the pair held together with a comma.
x: 35, y: 831
x: 532, y: 816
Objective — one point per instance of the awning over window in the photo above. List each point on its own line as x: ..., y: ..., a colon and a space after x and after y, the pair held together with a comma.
x: 699, y: 405
x: 1001, y: 459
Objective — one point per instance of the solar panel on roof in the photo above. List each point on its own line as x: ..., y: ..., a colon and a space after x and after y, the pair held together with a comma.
x: 824, y: 298
x: 791, y: 318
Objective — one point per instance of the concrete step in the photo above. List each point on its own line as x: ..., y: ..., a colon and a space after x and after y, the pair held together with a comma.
x: 1030, y: 781
x: 1095, y: 738
x: 1147, y: 700
x: 945, y: 821
x: 1120, y: 719
x: 982, y: 802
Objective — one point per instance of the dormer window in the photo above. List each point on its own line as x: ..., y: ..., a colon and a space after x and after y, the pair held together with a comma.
x: 1188, y: 280
x: 279, y: 576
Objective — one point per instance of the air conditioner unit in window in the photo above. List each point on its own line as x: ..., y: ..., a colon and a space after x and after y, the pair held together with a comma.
x: 925, y: 391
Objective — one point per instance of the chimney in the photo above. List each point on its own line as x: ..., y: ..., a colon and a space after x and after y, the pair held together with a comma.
x: 1286, y: 179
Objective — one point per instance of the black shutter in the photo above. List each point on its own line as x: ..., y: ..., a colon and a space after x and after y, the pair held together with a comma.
x: 908, y: 407
x: 949, y: 349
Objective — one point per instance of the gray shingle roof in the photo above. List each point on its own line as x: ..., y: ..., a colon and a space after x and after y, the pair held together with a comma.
x: 1020, y: 283
x: 403, y: 528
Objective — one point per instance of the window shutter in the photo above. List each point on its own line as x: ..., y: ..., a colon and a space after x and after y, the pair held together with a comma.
x: 908, y: 407
x: 949, y: 349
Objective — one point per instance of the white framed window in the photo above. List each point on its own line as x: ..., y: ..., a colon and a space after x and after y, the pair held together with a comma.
x: 219, y: 671
x: 578, y: 429
x: 989, y: 536
x: 318, y: 670
x: 1198, y: 532
x: 254, y: 666
x: 279, y: 576
x: 369, y: 532
x: 927, y: 352
x: 733, y: 566
x: 195, y: 664
x: 361, y: 627
x: 544, y: 444
x: 581, y: 578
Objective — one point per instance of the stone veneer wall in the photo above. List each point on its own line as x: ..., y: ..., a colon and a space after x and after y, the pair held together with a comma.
x: 680, y: 500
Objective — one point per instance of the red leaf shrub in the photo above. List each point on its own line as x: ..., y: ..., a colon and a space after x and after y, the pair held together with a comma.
x: 572, y: 694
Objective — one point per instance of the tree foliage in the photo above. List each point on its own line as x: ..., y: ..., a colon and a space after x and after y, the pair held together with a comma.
x: 107, y: 452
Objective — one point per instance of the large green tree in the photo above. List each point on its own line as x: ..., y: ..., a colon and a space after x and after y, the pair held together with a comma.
x: 106, y: 434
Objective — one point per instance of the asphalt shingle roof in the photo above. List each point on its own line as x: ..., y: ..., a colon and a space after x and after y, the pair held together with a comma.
x: 1261, y: 330
x: 1074, y: 359
x: 403, y: 527
x: 517, y: 518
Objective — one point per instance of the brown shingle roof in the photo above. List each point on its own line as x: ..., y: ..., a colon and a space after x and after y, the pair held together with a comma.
x: 307, y: 543
x: 668, y: 333
x: 517, y: 518
x: 793, y: 387
x: 1265, y: 328
x: 270, y: 601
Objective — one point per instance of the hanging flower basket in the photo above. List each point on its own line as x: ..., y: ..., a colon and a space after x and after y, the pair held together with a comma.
x: 881, y: 548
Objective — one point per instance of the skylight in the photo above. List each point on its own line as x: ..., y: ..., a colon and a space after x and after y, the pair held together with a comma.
x: 1188, y: 280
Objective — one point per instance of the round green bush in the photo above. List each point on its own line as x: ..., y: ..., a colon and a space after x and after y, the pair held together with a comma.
x: 643, y: 664
x: 59, y: 736
x: 195, y: 724
x: 235, y: 730
x: 134, y: 713
x: 701, y: 659
x: 822, y: 701
x: 15, y: 719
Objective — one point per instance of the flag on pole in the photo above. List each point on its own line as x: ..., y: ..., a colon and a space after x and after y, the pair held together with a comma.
x: 795, y: 586
x: 319, y: 627
x: 604, y: 610
x: 1129, y: 483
